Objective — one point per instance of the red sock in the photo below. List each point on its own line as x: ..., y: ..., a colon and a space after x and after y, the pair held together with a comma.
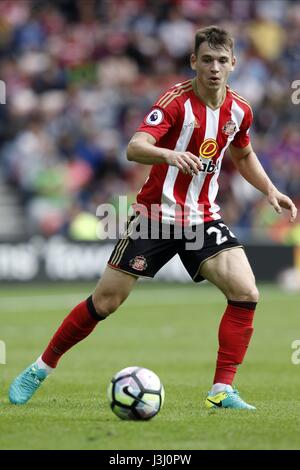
x: 234, y: 336
x: 75, y: 327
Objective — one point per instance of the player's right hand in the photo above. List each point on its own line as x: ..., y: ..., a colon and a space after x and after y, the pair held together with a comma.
x: 186, y: 162
x: 279, y: 200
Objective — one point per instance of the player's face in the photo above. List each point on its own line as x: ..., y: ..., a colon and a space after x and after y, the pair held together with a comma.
x: 213, y: 66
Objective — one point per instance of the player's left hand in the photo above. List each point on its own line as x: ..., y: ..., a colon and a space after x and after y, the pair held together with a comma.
x: 279, y: 201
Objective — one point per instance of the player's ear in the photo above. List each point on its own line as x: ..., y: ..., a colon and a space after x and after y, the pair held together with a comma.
x: 233, y: 62
x: 193, y: 60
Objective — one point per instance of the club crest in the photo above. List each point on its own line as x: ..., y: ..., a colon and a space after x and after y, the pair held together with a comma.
x: 138, y: 263
x: 229, y: 128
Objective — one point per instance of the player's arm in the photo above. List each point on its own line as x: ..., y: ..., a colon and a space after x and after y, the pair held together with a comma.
x: 251, y: 169
x: 142, y: 149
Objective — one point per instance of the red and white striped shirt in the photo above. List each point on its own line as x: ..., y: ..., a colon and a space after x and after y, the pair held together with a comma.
x: 180, y: 121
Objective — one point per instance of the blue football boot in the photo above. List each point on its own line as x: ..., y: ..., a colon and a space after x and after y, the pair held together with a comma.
x: 26, y: 384
x: 227, y: 399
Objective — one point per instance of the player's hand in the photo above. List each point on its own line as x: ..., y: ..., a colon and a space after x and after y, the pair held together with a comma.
x: 186, y: 162
x: 279, y: 201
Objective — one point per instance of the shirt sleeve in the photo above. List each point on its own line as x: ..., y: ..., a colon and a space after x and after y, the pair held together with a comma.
x: 242, y: 137
x: 157, y: 122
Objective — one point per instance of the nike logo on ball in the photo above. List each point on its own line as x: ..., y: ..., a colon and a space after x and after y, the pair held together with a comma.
x: 129, y: 394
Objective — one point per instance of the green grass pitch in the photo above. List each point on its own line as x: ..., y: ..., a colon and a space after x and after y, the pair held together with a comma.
x: 171, y: 330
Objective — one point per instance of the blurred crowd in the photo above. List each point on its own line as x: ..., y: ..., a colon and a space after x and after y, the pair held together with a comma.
x: 80, y: 76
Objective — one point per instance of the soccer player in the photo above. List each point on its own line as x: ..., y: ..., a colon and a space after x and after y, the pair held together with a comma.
x: 184, y: 137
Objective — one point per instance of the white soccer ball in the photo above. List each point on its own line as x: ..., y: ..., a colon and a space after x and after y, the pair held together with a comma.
x: 135, y: 393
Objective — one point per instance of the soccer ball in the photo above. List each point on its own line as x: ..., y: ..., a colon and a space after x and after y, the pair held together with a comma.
x: 135, y: 393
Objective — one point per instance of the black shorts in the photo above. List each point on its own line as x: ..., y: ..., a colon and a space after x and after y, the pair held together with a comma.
x: 140, y: 253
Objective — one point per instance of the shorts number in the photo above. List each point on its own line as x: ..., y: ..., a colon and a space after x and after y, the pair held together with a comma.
x: 219, y: 236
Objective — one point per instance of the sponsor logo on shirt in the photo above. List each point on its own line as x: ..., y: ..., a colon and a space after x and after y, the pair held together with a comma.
x: 155, y: 117
x: 209, y: 167
x: 208, y: 148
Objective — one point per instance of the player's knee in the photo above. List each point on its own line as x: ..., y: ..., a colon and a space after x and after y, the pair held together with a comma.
x: 105, y: 305
x: 253, y: 294
x: 246, y: 294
